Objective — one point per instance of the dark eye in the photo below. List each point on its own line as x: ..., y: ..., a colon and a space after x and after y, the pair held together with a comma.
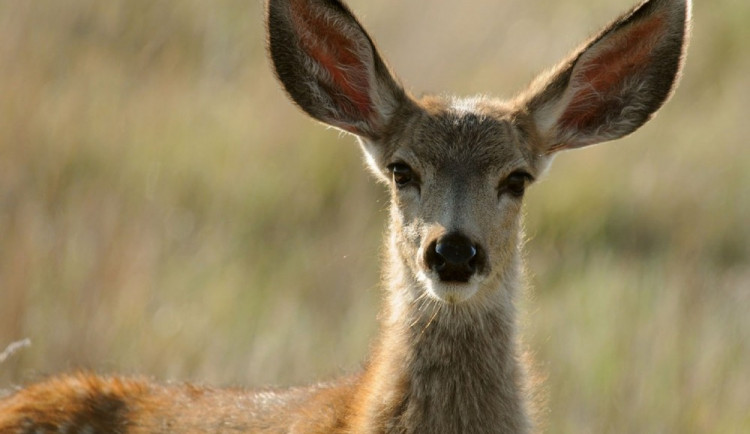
x: 515, y: 183
x: 402, y: 174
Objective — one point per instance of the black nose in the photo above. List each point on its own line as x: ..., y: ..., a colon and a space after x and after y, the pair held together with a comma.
x: 454, y: 257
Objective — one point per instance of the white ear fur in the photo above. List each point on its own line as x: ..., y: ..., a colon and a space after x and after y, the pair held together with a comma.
x: 373, y: 154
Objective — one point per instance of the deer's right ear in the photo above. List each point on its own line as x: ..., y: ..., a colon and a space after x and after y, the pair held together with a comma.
x: 330, y: 67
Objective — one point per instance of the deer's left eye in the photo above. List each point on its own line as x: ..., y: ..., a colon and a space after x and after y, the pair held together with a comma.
x: 515, y: 184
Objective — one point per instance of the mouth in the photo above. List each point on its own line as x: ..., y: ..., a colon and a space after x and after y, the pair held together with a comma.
x: 451, y: 292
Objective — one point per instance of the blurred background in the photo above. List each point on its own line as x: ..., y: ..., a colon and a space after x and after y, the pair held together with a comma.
x: 164, y: 210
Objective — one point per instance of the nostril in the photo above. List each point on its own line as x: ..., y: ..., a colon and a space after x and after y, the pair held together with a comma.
x: 432, y: 258
x: 438, y: 263
x: 472, y: 264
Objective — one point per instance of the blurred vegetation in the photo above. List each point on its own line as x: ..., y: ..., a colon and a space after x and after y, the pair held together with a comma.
x: 165, y: 210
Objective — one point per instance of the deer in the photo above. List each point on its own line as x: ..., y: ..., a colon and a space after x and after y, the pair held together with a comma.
x: 448, y: 355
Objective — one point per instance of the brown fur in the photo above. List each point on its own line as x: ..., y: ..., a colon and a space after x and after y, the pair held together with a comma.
x: 447, y: 359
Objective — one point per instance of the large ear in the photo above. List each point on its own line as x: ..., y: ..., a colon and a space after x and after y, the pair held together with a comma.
x: 330, y: 67
x: 616, y: 82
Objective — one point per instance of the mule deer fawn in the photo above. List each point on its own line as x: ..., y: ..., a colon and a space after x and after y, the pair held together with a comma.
x: 447, y: 357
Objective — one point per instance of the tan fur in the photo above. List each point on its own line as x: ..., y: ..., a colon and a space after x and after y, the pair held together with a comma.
x: 448, y: 357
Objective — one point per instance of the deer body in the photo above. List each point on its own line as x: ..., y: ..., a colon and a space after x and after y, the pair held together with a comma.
x: 447, y: 358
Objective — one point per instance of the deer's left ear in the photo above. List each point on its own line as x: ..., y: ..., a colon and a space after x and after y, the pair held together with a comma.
x: 616, y: 82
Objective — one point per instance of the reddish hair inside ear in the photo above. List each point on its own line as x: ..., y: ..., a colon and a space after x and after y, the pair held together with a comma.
x: 600, y: 78
x: 339, y: 56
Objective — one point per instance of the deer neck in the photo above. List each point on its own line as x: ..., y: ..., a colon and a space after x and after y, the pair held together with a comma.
x: 445, y: 368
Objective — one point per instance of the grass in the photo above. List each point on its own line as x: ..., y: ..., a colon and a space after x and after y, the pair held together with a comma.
x: 165, y: 211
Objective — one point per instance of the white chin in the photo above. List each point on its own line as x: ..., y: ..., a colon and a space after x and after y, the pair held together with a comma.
x: 449, y: 292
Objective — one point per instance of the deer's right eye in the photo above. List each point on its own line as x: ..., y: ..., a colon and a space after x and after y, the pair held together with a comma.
x: 402, y: 174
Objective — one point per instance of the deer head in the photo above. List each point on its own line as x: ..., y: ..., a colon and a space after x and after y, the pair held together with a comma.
x: 457, y: 168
